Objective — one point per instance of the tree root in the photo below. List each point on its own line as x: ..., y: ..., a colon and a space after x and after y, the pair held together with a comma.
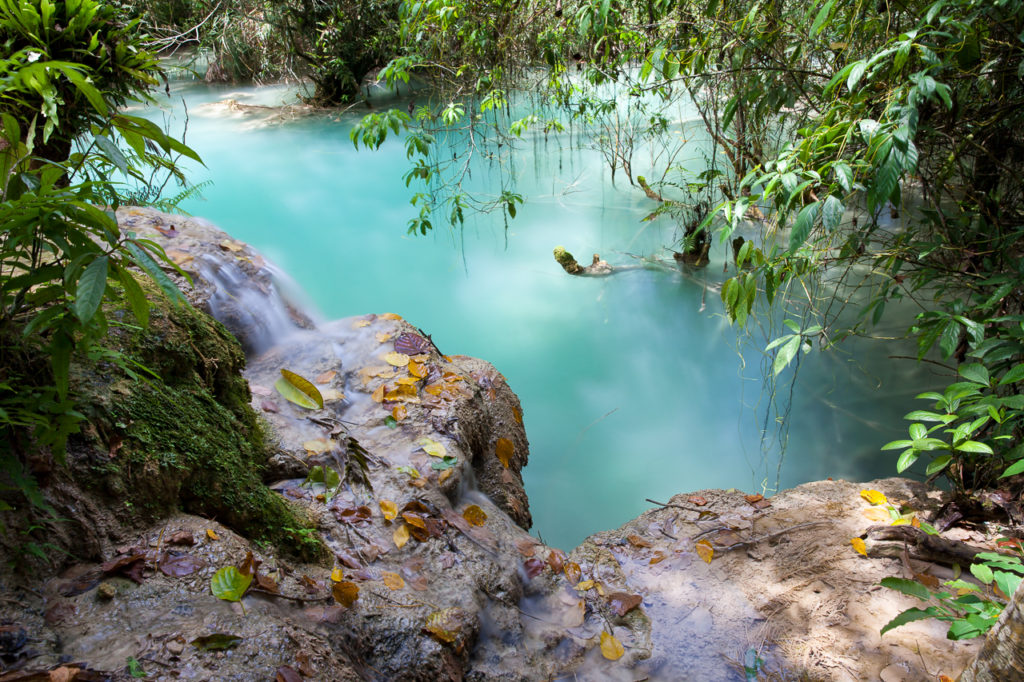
x: 892, y: 541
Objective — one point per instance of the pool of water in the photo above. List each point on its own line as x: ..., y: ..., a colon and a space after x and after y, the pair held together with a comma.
x: 632, y: 386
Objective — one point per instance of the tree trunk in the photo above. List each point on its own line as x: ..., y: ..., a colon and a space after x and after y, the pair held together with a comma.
x: 1002, y: 657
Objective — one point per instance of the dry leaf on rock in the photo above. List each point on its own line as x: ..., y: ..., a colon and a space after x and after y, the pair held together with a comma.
x: 475, y: 515
x: 396, y: 359
x: 345, y: 592
x: 873, y: 496
x: 389, y: 509
x: 704, y: 550
x: 392, y: 580
x: 326, y: 377
x: 611, y: 648
x: 401, y: 536
x: 504, y: 450
x: 858, y: 544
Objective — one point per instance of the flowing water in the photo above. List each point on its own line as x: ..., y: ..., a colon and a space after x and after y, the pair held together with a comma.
x: 632, y: 385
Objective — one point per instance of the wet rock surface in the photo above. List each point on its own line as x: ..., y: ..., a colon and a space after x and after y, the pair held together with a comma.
x: 430, y: 572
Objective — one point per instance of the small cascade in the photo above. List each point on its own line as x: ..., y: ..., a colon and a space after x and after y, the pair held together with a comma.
x: 251, y: 306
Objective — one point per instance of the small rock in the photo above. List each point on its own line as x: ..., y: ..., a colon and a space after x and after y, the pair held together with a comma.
x: 106, y: 591
x: 175, y: 647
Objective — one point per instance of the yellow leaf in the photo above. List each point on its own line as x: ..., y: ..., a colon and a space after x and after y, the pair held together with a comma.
x: 444, y: 475
x: 228, y: 245
x: 361, y: 323
x: 876, y: 514
x: 404, y: 394
x: 873, y: 496
x: 418, y: 369
x: 345, y: 592
x: 383, y: 337
x: 392, y: 580
x: 400, y: 412
x: 915, y: 522
x: 945, y: 678
x: 584, y: 585
x: 299, y: 390
x: 326, y: 377
x: 434, y: 389
x: 859, y: 545
x: 444, y: 624
x: 432, y: 447
x: 332, y: 394
x: 504, y: 450
x: 396, y: 359
x: 210, y: 534
x: 517, y: 414
x: 611, y: 648
x: 475, y: 515
x: 337, y: 575
x: 378, y: 395
x: 401, y: 536
x: 318, y: 446
x: 390, y: 316
x: 704, y: 550
x: 901, y: 522
x: 408, y: 381
x: 389, y: 509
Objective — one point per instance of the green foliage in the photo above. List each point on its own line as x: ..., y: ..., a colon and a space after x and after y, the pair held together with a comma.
x: 230, y: 584
x: 970, y: 610
x: 67, y: 68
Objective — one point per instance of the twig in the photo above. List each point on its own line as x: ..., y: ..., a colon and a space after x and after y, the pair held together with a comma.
x: 680, y: 506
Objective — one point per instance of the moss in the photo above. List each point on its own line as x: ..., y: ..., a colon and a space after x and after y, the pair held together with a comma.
x: 183, y: 434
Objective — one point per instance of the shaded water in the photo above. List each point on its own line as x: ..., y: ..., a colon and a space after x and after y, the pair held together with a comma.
x: 629, y: 389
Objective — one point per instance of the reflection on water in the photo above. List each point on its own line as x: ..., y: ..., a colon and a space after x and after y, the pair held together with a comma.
x: 630, y: 391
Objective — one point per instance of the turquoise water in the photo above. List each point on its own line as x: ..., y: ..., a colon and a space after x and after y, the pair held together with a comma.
x: 630, y: 390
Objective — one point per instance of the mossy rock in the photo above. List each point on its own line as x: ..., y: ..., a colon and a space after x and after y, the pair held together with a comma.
x: 179, y: 434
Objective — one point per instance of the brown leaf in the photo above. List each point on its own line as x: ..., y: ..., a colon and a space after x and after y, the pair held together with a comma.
x: 658, y: 557
x: 305, y: 665
x: 556, y: 560
x: 267, y: 584
x: 753, y: 498
x: 181, y: 537
x: 697, y: 500
x: 927, y: 580
x: 622, y: 603
x: 130, y: 566
x: 249, y: 565
x: 533, y: 568
x: 400, y: 412
x: 411, y: 344
x: 504, y: 451
x: 526, y: 546
x: 269, y: 406
x: 353, y: 515
x: 326, y: 377
x: 286, y: 674
x: 345, y: 592
x: 378, y: 395
x: 64, y: 674
x: 178, y: 565
x: 446, y: 624
x: 704, y: 550
x: 573, y: 573
x: 638, y: 541
x: 517, y: 414
x: 475, y: 515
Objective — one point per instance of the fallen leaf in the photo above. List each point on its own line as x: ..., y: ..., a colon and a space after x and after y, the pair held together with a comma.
x: 61, y: 674
x: 517, y: 414
x: 210, y: 534
x: 345, y: 592
x: 556, y: 560
x: 444, y: 475
x: 611, y: 648
x: 179, y: 565
x: 305, y: 666
x: 638, y: 541
x: 697, y: 500
x: 475, y: 515
x: 392, y: 580
x: 418, y: 370
x: 332, y: 395
x: 229, y: 245
x: 415, y: 520
x: 411, y: 472
x: 181, y: 537
x: 229, y: 583
x: 584, y: 585
x: 378, y: 395
x: 704, y: 550
x: 859, y: 545
x: 526, y: 546
x: 326, y: 377
x: 432, y: 447
x: 268, y: 406
x: 573, y: 573
x: 945, y: 678
x: 533, y: 568
x: 389, y: 509
x: 400, y: 412
x: 358, y: 324
x: 402, y: 393
x: 217, y: 641
x: 657, y: 558
x: 401, y: 536
x: 299, y: 390
x: 900, y: 522
x: 411, y: 344
x: 445, y: 625
x: 927, y: 580
x: 267, y: 584
x: 396, y: 359
x: 622, y: 602
x: 390, y: 316
x: 873, y: 496
x: 318, y: 446
x: 286, y: 674
x: 383, y: 337
x: 753, y: 498
x: 504, y: 449
x: 353, y: 515
x: 337, y: 575
x: 876, y: 514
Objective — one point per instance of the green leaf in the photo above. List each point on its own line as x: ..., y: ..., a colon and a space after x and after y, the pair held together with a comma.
x: 982, y: 573
x: 908, y: 587
x: 822, y: 18
x: 146, y: 262
x: 299, y: 390
x: 447, y: 463
x: 91, y: 286
x: 1008, y: 582
x: 973, y: 446
x: 1013, y: 376
x: 111, y: 151
x: 229, y: 583
x: 906, y: 460
x: 976, y: 372
x: 802, y: 225
x: 963, y: 629
x: 136, y: 296
x: 218, y: 641
x: 908, y: 616
x: 135, y: 669
x: 938, y: 464
x: 1014, y: 469
x: 390, y: 422
x: 786, y: 354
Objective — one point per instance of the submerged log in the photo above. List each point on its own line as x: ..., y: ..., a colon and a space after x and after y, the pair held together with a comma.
x: 597, y: 267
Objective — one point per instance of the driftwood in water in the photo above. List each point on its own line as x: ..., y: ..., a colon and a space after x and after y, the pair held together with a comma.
x: 597, y: 268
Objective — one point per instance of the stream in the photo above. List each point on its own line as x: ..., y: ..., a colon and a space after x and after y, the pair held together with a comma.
x: 633, y: 386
